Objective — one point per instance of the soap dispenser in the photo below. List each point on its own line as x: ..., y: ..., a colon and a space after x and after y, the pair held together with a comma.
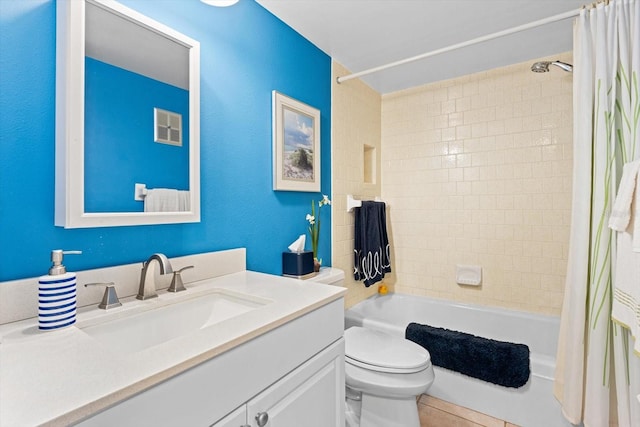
x: 57, y: 295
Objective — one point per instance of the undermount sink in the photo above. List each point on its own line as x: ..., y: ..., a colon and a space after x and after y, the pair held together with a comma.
x: 130, y: 332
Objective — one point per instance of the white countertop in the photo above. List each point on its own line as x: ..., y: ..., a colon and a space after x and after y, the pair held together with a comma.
x: 63, y: 376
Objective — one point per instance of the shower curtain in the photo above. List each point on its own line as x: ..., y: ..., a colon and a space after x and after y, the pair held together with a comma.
x: 597, y: 373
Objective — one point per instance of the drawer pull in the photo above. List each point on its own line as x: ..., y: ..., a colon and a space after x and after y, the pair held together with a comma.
x: 262, y: 419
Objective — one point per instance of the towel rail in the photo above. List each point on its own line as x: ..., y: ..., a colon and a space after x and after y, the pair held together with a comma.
x: 354, y: 203
x: 140, y: 192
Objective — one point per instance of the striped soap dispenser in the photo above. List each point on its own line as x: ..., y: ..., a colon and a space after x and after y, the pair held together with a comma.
x: 57, y: 295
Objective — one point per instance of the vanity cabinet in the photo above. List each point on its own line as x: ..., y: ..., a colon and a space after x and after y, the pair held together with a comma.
x: 312, y: 395
x: 294, y: 373
x: 237, y: 418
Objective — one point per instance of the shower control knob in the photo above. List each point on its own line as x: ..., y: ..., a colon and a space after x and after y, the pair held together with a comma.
x: 262, y: 418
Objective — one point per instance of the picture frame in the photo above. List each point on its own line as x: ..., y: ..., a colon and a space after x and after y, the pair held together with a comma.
x: 296, y: 145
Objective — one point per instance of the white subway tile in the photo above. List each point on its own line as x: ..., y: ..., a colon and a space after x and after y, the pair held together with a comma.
x: 480, y: 171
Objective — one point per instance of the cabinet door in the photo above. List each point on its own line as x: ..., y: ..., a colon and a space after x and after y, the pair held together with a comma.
x: 311, y: 396
x: 237, y: 418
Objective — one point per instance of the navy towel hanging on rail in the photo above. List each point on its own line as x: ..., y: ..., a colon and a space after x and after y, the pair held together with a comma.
x: 371, y: 246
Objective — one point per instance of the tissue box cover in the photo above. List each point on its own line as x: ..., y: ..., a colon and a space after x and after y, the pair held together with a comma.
x: 297, y: 264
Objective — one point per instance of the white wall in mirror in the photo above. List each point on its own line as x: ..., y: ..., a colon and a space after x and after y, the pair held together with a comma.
x: 73, y: 41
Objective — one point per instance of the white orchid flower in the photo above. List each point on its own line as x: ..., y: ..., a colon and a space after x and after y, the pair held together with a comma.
x: 325, y: 201
x: 314, y: 226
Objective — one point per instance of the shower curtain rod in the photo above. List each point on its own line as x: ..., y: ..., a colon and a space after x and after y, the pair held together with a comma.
x: 538, y: 23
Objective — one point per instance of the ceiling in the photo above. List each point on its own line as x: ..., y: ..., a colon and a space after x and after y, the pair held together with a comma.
x: 362, y: 34
x: 116, y: 35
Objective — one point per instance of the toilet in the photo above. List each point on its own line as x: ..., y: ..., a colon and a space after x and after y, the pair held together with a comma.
x: 384, y: 373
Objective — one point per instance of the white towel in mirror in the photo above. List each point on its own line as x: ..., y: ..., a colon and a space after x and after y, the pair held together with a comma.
x: 166, y: 200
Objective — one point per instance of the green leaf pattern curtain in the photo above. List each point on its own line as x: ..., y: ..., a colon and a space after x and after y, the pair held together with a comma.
x: 595, y: 363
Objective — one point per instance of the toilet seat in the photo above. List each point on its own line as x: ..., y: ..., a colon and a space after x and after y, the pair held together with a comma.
x: 381, y: 352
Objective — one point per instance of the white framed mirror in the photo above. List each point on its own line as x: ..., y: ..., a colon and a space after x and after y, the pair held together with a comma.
x: 114, y: 136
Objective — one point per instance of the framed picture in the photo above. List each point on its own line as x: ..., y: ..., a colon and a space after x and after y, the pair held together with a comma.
x: 296, y: 145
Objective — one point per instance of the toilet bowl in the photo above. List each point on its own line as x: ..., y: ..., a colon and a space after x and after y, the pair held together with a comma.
x: 383, y: 373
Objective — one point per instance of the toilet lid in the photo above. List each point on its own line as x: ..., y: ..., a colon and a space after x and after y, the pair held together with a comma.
x: 382, y: 352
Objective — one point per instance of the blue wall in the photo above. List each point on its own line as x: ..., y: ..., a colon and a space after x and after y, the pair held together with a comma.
x: 119, y: 147
x: 245, y: 54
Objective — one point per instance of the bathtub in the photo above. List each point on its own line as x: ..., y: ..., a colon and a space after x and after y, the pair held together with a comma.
x: 532, y: 405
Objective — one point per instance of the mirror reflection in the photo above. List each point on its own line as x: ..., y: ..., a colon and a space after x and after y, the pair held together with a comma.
x: 131, y: 72
x: 127, y: 123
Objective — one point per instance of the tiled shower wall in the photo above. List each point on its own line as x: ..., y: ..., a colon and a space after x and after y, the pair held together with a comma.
x: 477, y: 170
x: 356, y: 115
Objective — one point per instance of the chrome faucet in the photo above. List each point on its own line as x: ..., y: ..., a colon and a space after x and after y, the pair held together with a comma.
x: 147, y: 280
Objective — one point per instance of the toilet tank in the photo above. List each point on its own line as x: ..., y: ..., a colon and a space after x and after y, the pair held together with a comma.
x: 329, y: 276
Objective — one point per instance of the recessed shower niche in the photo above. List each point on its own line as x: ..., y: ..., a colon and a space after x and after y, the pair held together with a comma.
x: 369, y: 166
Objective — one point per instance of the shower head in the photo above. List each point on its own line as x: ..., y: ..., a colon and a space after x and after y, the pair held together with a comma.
x: 543, y: 66
x: 540, y: 67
